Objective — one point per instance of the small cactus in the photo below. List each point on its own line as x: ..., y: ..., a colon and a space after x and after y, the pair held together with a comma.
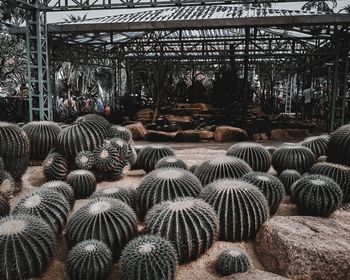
x: 120, y: 171
x: 149, y: 257
x: 317, y: 144
x: 241, y: 207
x: 106, y: 157
x: 189, y: 223
x: 271, y: 149
x: 89, y: 260
x: 150, y: 155
x: 232, y: 261
x: 121, y: 132
x: 120, y: 145
x: 85, y: 160
x: 4, y: 206
x: 221, y: 167
x: 7, y: 185
x: 193, y: 168
x: 26, y: 246
x: 288, y: 177
x: 256, y: 155
x: 171, y: 161
x: 316, y: 195
x: 124, y: 193
x: 166, y: 184
x: 131, y: 156
x: 83, y: 183
x: 270, y: 186
x: 61, y: 187
x: 295, y: 157
x: 48, y: 205
x: 55, y: 167
x: 108, y: 220
x: 338, y: 147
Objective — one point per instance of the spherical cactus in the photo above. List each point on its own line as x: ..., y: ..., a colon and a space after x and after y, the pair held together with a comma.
x: 104, y: 125
x: 241, y: 207
x: 83, y: 183
x: 42, y: 137
x: 89, y: 260
x: 85, y: 160
x: 131, y: 156
x: 61, y: 187
x: 55, y: 167
x: 221, y: 167
x: 2, y: 165
x: 189, y: 223
x: 271, y: 149
x: 149, y: 257
x: 171, y: 161
x: 339, y: 146
x: 120, y: 145
x: 232, y: 261
x: 270, y: 186
x: 48, y: 205
x: 317, y: 144
x: 193, y: 168
x: 316, y: 195
x: 295, y: 157
x: 14, y: 149
x: 339, y: 173
x: 121, y: 132
x: 322, y: 159
x: 288, y: 177
x: 256, y: 155
x: 119, y: 171
x: 124, y: 193
x: 4, y: 206
x: 7, y: 185
x: 106, y: 157
x: 26, y: 246
x: 150, y: 155
x: 108, y: 220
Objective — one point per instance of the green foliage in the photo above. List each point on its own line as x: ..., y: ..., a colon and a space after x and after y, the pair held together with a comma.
x: 288, y: 177
x: 338, y: 147
x: 170, y: 161
x: 83, y: 183
x: 61, y: 187
x: 151, y: 154
x: 55, y: 167
x: 232, y: 261
x: 317, y: 144
x: 124, y: 193
x: 85, y: 160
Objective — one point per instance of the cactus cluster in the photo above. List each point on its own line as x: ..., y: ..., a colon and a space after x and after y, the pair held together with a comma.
x: 256, y: 155
x: 316, y: 195
x: 42, y: 137
x: 149, y: 257
x: 108, y: 220
x: 26, y: 246
x: 55, y: 167
x: 85, y: 160
x: 338, y: 147
x: 124, y: 193
x: 171, y: 161
x: 288, y: 177
x: 221, y: 167
x: 241, y: 207
x: 61, y: 187
x: 232, y: 261
x: 150, y: 155
x: 83, y: 183
x: 89, y: 260
x: 7, y: 185
x: 121, y: 132
x: 4, y: 206
x: 189, y: 223
x: 119, y: 171
x: 317, y: 144
x: 120, y: 145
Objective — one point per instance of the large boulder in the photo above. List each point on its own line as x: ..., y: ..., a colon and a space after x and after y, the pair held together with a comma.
x: 230, y: 133
x: 305, y: 248
x: 279, y: 135
x: 298, y: 132
x: 154, y: 135
x: 138, y: 130
x: 178, y: 119
x: 206, y: 135
x: 188, y: 136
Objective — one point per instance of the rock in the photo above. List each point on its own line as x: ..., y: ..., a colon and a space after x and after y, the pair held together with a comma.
x: 201, y: 106
x: 153, y: 135
x: 305, y: 248
x: 178, y: 119
x: 254, y: 274
x: 279, y: 135
x: 188, y: 136
x: 138, y: 130
x: 230, y: 133
x: 260, y: 136
x: 298, y: 132
x: 206, y: 135
x: 183, y: 105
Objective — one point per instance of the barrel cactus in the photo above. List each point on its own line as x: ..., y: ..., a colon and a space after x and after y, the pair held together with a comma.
x: 193, y: 168
x: 189, y: 223
x: 149, y: 257
x: 106, y: 157
x: 171, y: 161
x: 316, y: 195
x: 120, y: 145
x: 270, y: 186
x: 166, y: 184
x: 256, y: 155
x: 83, y: 183
x: 339, y: 173
x: 61, y: 187
x: 42, y: 137
x: 295, y: 157
x: 221, y: 167
x: 271, y: 149
x: 48, y: 205
x: 85, y: 160
x: 2, y: 165
x: 105, y: 219
x: 104, y: 125
x: 288, y: 177
x: 339, y: 146
x: 241, y: 207
x: 14, y: 149
x: 150, y: 155
x: 122, y: 168
x: 121, y: 132
x: 26, y: 246
x: 4, y: 206
x: 232, y: 261
x: 55, y: 167
x: 89, y: 260
x: 124, y: 193
x: 7, y: 185
x: 131, y: 156
x: 317, y: 144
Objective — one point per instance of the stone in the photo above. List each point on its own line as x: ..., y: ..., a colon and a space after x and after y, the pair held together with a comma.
x: 206, y: 135
x: 201, y: 106
x: 178, y: 119
x: 230, y: 133
x: 154, y: 135
x: 279, y: 135
x: 138, y: 130
x: 183, y: 105
x: 260, y: 136
x: 298, y: 132
x: 254, y: 274
x: 305, y: 248
x: 188, y: 136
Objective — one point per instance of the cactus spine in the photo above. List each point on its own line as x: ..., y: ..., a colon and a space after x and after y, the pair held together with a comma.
x: 123, y: 193
x: 83, y: 183
x: 171, y: 161
x: 61, y: 187
x: 150, y: 155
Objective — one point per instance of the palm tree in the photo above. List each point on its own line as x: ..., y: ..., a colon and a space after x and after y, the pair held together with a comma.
x: 74, y: 18
x: 319, y: 5
x: 345, y: 9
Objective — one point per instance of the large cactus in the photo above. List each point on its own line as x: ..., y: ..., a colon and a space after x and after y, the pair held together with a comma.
x: 256, y: 155
x: 149, y: 257
x: 4, y: 206
x: 26, y: 246
x: 48, y: 205
x: 85, y: 160
x: 106, y: 157
x: 121, y: 146
x: 108, y: 220
x: 89, y: 260
x: 124, y: 193
x: 121, y: 132
x: 2, y: 165
x: 317, y: 144
x: 97, y: 119
x: 43, y: 137
x: 189, y: 223
x: 295, y: 157
x: 232, y: 261
x: 316, y: 195
x: 221, y: 167
x: 14, y: 149
x: 288, y: 177
x: 83, y: 183
x: 171, y: 161
x: 61, y: 187
x: 150, y: 155
x: 55, y: 167
x: 241, y: 207
x: 7, y: 184
x: 339, y: 173
x: 339, y: 146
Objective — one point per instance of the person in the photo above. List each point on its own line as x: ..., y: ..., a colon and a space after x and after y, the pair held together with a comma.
x: 307, y: 94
